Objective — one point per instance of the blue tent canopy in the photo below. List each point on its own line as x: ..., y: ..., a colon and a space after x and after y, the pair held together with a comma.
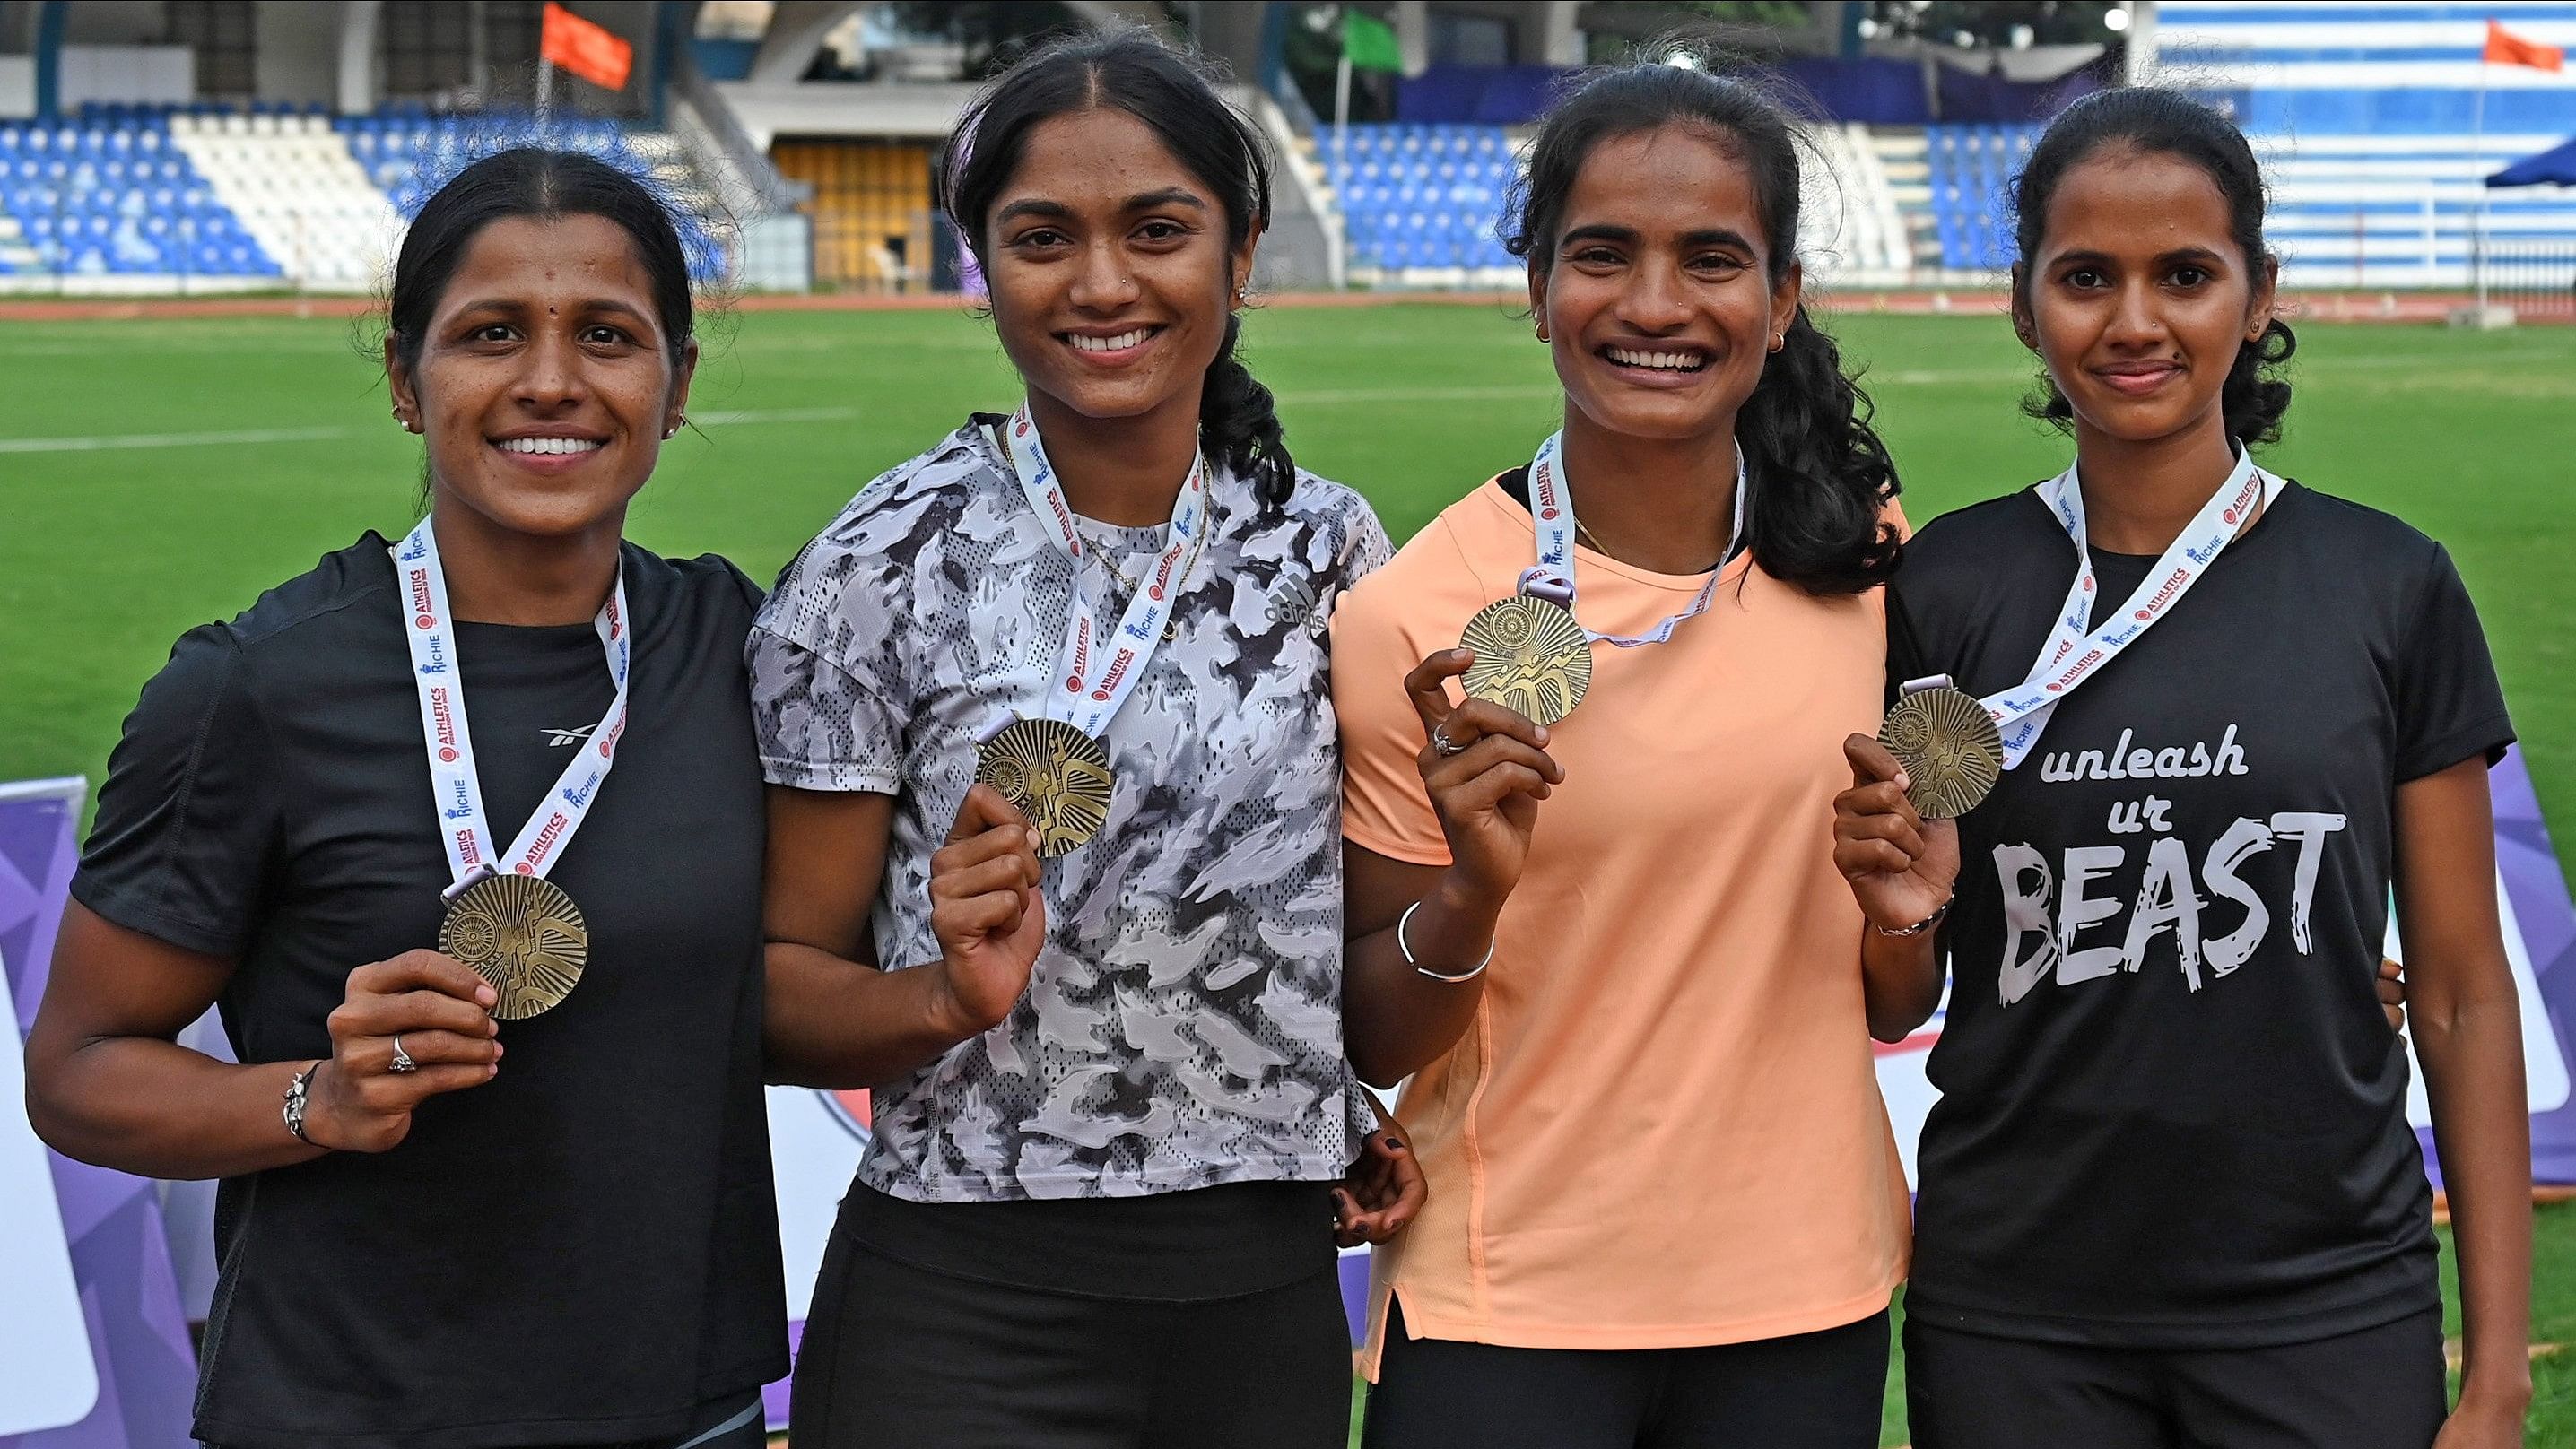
x: 2553, y: 167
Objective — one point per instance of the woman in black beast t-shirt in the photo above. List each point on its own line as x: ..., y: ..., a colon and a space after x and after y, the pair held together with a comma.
x: 2168, y: 1195
x: 460, y: 1212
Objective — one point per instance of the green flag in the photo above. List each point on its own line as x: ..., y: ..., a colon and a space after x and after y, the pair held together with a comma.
x: 1368, y: 42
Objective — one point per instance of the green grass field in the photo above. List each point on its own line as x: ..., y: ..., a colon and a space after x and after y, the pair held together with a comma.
x: 267, y: 444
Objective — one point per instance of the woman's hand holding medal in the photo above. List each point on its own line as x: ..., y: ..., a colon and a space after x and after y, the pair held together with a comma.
x: 1902, y: 868
x: 1486, y: 768
x: 986, y: 910
x: 422, y: 1009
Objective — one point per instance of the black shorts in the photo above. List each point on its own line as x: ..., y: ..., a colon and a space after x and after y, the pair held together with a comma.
x: 2379, y: 1388
x: 1807, y: 1391
x: 900, y: 1357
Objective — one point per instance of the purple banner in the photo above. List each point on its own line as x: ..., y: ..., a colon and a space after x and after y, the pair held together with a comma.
x: 2535, y: 890
x: 147, y: 1368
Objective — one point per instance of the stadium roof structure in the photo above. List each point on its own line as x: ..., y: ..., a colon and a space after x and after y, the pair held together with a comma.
x: 2553, y: 167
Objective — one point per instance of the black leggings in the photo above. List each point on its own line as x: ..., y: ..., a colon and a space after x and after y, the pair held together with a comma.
x: 2379, y: 1388
x: 1809, y: 1391
x: 899, y: 1357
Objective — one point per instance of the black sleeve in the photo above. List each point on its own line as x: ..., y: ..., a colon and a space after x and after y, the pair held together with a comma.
x: 1904, y: 651
x: 187, y: 825
x: 2449, y: 706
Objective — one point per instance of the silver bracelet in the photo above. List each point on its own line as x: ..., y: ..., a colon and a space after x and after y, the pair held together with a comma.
x: 1919, y: 927
x: 296, y: 1091
x: 1402, y: 945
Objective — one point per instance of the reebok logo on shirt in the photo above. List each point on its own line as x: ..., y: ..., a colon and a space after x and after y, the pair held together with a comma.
x: 566, y: 739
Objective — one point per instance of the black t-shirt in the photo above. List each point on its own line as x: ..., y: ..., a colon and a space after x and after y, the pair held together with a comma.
x: 584, y: 1249
x: 2172, y: 1114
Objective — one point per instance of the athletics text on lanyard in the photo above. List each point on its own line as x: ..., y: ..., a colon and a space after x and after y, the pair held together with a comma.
x: 1093, y: 676
x: 1552, y: 512
x: 2073, y: 655
x: 463, y: 828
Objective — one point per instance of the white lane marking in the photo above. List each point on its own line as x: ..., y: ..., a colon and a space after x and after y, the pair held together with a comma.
x: 110, y: 441
x: 169, y: 440
x: 1332, y: 396
x: 776, y: 415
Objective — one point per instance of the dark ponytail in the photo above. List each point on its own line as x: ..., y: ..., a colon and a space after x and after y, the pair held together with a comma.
x: 1821, y: 477
x: 1131, y: 71
x: 1239, y: 422
x: 2164, y: 123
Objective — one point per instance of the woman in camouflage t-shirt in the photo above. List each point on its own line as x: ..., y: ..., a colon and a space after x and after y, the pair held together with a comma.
x: 1111, y: 1099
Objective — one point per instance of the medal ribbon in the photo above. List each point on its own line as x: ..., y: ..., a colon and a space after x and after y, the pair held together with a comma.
x: 463, y: 828
x: 2022, y: 712
x: 1093, y: 676
x: 1552, y: 513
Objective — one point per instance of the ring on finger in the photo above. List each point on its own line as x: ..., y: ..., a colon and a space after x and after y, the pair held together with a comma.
x: 1444, y: 746
x: 402, y: 1059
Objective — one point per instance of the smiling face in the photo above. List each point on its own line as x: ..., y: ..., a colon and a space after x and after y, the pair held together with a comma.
x: 1658, y: 300
x: 544, y: 385
x: 2139, y: 297
x: 1110, y: 273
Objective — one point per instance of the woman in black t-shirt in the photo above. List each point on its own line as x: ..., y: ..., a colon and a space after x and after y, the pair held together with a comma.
x: 2169, y: 1194
x: 445, y: 1220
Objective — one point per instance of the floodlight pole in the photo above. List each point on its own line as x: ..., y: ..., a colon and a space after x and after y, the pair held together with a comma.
x: 2477, y: 164
x: 1342, y: 108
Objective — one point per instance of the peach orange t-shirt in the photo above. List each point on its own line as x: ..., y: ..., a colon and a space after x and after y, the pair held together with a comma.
x: 1663, y: 1128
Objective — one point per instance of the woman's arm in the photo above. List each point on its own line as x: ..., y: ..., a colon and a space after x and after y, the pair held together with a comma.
x: 107, y: 1082
x: 1395, y: 1020
x: 2468, y: 1033
x: 832, y: 1019
x: 1903, y: 870
x: 1397, y: 1015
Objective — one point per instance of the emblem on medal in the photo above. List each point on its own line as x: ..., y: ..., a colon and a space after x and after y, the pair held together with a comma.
x: 1950, y: 748
x: 1531, y: 656
x: 1058, y: 776
x: 522, y: 934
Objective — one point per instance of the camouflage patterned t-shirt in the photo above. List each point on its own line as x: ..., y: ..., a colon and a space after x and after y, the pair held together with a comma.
x: 1183, y: 1025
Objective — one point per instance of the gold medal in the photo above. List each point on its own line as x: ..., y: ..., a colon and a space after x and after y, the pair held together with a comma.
x: 1530, y: 656
x: 522, y: 934
x: 1950, y: 747
x: 1056, y: 774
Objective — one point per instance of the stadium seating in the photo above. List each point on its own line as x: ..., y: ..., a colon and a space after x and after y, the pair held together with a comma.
x: 157, y: 198
x: 87, y: 199
x: 293, y: 184
x: 1421, y: 199
x: 1851, y: 227
x: 1971, y: 175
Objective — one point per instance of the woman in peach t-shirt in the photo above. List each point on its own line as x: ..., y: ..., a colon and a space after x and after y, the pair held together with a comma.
x: 1666, y: 1207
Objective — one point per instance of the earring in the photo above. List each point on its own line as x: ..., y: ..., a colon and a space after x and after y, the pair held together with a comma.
x: 1779, y: 340
x: 1542, y: 332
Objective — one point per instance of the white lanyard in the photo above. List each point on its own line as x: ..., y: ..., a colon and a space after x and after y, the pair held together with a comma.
x: 463, y: 829
x: 1551, y: 504
x: 2072, y: 655
x: 1080, y: 694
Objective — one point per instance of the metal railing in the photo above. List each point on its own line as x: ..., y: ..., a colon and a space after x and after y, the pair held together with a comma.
x: 2537, y: 279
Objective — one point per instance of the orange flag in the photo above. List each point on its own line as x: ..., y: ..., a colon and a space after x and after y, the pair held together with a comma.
x: 597, y: 55
x: 2506, y: 48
